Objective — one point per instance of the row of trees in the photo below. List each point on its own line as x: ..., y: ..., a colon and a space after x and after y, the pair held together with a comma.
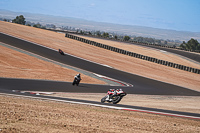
x: 104, y: 35
x: 192, y: 44
x: 21, y: 20
x: 149, y: 40
x: 125, y: 37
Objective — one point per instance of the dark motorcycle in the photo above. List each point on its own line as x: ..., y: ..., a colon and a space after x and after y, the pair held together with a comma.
x: 76, y: 81
x: 114, y: 96
x: 61, y: 52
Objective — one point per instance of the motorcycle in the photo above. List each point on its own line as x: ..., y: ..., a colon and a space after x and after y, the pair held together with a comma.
x: 61, y: 52
x: 76, y: 81
x: 114, y: 96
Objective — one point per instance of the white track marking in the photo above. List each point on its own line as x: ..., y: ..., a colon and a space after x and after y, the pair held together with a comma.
x: 118, y: 81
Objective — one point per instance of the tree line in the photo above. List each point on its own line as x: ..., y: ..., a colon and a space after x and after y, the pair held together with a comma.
x: 21, y: 20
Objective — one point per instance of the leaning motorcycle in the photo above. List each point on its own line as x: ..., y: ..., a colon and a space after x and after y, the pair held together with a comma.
x: 114, y: 96
x: 61, y: 52
x: 76, y: 81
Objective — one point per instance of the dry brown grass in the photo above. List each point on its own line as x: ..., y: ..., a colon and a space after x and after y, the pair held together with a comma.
x: 14, y: 64
x: 28, y: 115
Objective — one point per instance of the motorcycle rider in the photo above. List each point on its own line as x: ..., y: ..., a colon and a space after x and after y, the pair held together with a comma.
x: 111, y: 94
x: 114, y: 96
x: 78, y: 77
x: 60, y: 51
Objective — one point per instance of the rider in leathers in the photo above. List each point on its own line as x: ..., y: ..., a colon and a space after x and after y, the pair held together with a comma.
x: 78, y: 77
x: 111, y: 95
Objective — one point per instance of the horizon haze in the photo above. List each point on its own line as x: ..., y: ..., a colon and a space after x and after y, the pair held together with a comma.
x: 102, y: 26
x: 179, y: 15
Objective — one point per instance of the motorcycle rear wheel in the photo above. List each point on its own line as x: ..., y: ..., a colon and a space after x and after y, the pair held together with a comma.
x: 116, y: 99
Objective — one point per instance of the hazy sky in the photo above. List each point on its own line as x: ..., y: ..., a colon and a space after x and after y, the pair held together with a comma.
x: 182, y: 15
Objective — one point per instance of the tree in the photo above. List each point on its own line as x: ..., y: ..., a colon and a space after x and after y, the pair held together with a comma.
x: 183, y: 45
x: 98, y: 33
x: 52, y: 26
x: 192, y: 44
x: 116, y: 37
x: 81, y: 32
x: 105, y: 34
x: 158, y: 41
x: 38, y: 25
x: 43, y: 27
x: 28, y: 24
x: 126, y: 38
x: 19, y: 20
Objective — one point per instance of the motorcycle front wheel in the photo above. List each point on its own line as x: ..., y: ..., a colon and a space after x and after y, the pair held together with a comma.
x: 73, y: 83
x: 103, y: 99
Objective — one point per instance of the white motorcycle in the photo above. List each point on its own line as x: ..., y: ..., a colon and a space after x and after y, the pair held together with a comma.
x: 114, y: 96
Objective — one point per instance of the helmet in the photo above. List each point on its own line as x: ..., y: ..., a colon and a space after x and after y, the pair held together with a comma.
x: 78, y: 75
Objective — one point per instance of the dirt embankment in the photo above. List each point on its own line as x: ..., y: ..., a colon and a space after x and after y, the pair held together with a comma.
x: 14, y: 64
x: 118, y: 61
x: 28, y: 115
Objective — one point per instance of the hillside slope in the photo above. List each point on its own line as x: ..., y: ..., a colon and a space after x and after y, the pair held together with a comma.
x: 118, y: 61
x: 19, y: 65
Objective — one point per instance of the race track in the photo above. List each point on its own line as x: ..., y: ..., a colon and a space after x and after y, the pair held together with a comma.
x: 105, y: 105
x: 142, y: 85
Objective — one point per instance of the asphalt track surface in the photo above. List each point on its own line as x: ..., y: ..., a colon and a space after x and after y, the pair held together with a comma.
x: 142, y: 85
x: 113, y: 106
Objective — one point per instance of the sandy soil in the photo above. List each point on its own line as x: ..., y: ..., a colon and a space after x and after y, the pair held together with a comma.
x: 14, y: 64
x: 132, y: 65
x: 28, y: 115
